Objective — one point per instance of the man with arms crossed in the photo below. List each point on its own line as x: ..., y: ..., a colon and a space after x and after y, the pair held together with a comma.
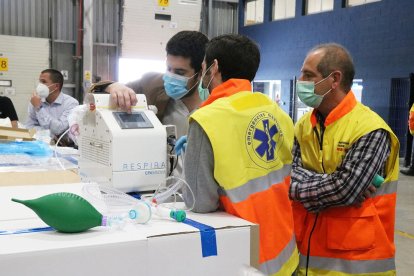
x: 343, y: 224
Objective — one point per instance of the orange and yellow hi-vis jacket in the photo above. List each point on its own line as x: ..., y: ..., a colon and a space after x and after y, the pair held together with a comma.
x: 252, y: 139
x: 346, y: 240
x: 411, y: 120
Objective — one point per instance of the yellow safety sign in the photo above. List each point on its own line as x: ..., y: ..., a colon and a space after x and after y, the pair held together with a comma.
x: 163, y: 3
x: 87, y: 75
x: 4, y: 64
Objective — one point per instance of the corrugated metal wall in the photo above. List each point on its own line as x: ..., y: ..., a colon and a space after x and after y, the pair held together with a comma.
x: 106, y: 25
x: 24, y: 66
x: 219, y: 17
x: 106, y: 38
x: 24, y: 18
x: 399, y: 110
x: 63, y: 20
x: 49, y: 30
x: 148, y: 25
x: 58, y: 20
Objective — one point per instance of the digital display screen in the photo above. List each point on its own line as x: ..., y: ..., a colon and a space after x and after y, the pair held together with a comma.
x: 131, y: 118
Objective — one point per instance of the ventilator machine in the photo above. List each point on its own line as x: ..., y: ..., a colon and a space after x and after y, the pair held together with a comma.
x: 127, y: 151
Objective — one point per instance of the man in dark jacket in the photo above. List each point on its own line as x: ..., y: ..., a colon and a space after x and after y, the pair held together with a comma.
x: 174, y: 93
x: 7, y: 111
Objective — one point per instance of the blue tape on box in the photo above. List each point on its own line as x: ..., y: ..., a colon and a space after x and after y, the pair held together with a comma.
x: 208, y: 237
x: 25, y: 231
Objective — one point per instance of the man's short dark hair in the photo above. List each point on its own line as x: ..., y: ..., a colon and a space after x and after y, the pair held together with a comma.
x: 336, y: 57
x: 188, y: 44
x: 55, y: 76
x: 238, y: 56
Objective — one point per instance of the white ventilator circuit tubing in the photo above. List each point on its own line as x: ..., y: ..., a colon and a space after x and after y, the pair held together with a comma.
x: 115, y: 203
x: 162, y: 194
x: 172, y: 190
x: 74, y: 117
x: 55, y: 149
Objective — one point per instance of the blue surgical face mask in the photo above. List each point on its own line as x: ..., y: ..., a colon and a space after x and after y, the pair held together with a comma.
x: 306, y: 92
x: 176, y: 85
x: 204, y: 92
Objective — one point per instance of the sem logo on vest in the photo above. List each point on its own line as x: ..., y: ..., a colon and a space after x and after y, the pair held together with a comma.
x: 342, y: 146
x: 262, y: 136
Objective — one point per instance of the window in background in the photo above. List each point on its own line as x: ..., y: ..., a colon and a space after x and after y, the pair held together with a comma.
x: 316, y: 6
x: 272, y: 88
x: 253, y: 12
x: 351, y: 3
x: 357, y: 88
x: 283, y: 9
x: 132, y: 69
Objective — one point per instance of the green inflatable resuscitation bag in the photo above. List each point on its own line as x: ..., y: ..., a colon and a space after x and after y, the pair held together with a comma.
x: 65, y: 212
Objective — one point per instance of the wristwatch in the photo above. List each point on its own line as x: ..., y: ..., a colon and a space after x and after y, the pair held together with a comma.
x: 100, y: 87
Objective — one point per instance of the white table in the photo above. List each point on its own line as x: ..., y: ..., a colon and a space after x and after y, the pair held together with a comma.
x: 160, y: 247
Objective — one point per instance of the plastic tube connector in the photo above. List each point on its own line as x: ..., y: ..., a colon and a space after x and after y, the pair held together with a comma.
x: 178, y: 215
x: 139, y: 213
x: 116, y: 222
x: 163, y: 212
x: 377, y: 181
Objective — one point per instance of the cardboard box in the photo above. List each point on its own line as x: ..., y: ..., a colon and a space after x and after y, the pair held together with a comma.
x: 160, y: 247
x: 38, y: 170
x: 38, y: 177
x: 9, y: 133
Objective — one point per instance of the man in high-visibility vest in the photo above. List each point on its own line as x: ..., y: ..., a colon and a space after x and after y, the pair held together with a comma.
x: 343, y: 224
x: 411, y: 120
x: 410, y: 169
x: 238, y: 156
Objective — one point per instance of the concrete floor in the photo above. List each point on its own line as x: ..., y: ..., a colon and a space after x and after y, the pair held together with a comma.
x: 404, y: 226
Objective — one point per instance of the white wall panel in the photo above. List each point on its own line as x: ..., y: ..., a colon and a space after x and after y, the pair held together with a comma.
x: 145, y: 37
x: 27, y: 57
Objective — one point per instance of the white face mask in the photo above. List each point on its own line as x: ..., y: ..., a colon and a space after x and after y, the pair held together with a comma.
x: 42, y: 90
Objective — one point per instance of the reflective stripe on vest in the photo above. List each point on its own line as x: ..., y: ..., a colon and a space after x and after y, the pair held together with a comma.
x: 259, y: 184
x: 275, y: 265
x: 346, y: 238
x: 411, y: 120
x: 349, y: 266
x: 387, y: 188
x: 252, y: 140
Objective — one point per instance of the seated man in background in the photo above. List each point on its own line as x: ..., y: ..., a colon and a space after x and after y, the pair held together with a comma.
x: 239, y: 151
x: 7, y: 111
x: 173, y: 93
x: 49, y: 107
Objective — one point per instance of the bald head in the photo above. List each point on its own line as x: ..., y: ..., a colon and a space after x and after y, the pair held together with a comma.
x: 335, y: 57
